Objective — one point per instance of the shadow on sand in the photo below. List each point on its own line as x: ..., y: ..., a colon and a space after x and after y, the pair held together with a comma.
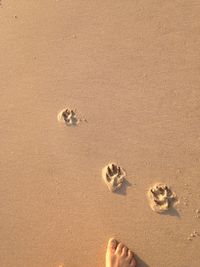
x: 171, y: 212
x: 140, y: 262
x: 123, y: 189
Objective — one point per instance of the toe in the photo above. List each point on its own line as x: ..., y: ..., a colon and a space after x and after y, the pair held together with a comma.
x: 119, y: 248
x: 130, y: 255
x: 133, y: 263
x: 112, y: 244
x: 124, y: 251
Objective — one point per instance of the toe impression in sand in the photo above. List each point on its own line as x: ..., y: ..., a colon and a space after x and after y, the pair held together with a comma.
x: 161, y: 198
x: 68, y: 116
x: 113, y: 176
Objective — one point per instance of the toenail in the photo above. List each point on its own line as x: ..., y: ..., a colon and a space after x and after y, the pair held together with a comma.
x: 113, y: 243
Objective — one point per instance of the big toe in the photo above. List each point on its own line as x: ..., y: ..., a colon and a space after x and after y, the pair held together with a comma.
x: 112, y: 244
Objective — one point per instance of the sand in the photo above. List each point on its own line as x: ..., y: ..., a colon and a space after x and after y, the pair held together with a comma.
x: 131, y: 69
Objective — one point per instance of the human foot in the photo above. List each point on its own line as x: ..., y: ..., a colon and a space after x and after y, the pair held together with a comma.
x: 118, y: 255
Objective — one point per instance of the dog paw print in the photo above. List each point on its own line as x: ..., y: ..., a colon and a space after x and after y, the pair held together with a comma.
x: 68, y: 116
x: 113, y: 176
x: 161, y: 198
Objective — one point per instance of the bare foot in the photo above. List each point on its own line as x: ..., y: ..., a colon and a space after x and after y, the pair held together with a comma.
x: 118, y: 255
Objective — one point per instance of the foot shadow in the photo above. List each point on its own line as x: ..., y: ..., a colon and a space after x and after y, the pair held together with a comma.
x: 123, y: 190
x: 140, y: 262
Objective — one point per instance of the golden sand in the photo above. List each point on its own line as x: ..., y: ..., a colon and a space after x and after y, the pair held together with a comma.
x: 131, y: 68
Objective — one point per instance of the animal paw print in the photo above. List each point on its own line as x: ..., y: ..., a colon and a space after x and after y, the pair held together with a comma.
x: 161, y: 197
x: 68, y: 116
x: 113, y: 176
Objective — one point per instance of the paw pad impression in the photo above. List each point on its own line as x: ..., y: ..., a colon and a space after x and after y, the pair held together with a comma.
x: 161, y: 198
x: 68, y: 116
x: 113, y: 176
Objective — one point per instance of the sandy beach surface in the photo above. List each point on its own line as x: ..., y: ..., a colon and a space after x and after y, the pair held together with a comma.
x: 130, y: 70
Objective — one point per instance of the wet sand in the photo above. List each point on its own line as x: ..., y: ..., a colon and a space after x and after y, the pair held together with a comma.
x: 131, y: 69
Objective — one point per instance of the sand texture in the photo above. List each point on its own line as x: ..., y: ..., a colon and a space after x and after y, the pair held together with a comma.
x: 131, y: 69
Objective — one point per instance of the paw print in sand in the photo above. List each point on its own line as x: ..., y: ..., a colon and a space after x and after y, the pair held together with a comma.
x: 161, y: 198
x: 113, y: 176
x: 68, y: 116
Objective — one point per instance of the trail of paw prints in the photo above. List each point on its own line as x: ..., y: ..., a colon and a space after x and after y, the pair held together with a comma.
x: 114, y: 176
x: 69, y: 117
x: 161, y: 198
